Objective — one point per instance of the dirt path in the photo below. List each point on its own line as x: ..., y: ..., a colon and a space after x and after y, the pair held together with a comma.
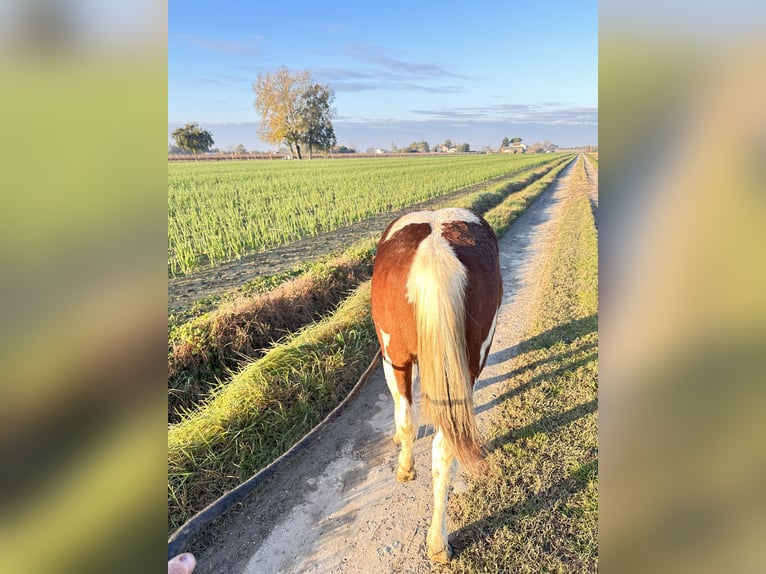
x: 185, y: 290
x: 338, y: 506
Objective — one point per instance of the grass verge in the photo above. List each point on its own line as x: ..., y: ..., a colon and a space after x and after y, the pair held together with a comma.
x: 537, y: 511
x: 243, y: 329
x: 268, y: 406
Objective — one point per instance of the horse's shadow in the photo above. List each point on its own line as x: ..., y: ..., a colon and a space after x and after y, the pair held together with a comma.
x: 509, y: 514
x: 565, y: 332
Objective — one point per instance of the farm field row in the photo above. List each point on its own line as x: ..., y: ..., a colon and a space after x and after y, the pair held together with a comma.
x: 268, y: 404
x: 221, y: 211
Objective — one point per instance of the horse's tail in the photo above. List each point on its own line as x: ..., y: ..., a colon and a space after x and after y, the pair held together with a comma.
x: 436, y: 286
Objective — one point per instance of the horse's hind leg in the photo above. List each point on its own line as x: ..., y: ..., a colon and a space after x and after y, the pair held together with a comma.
x: 399, y: 382
x: 443, y: 466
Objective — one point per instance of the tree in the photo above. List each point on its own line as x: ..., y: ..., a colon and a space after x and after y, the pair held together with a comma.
x: 506, y: 142
x: 516, y: 140
x: 295, y: 110
x: 240, y: 149
x: 317, y: 114
x: 277, y: 99
x: 417, y: 147
x: 192, y: 138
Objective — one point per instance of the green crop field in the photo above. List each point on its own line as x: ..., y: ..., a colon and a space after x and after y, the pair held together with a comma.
x: 221, y: 211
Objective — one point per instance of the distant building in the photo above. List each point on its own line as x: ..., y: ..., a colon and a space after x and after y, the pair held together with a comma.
x: 515, y: 147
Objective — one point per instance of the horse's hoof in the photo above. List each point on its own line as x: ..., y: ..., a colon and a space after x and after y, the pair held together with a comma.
x: 405, y: 475
x: 442, y: 556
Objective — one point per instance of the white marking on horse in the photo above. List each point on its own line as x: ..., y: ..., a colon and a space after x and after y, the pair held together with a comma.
x: 433, y: 217
x: 443, y: 466
x: 406, y: 415
x: 405, y: 420
x: 485, y: 345
x: 435, y: 248
x: 386, y: 340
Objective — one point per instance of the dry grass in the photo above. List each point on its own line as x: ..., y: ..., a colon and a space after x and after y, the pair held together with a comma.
x: 243, y: 329
x: 537, y: 511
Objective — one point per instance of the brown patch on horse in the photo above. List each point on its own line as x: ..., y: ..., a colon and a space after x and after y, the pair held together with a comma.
x: 475, y: 245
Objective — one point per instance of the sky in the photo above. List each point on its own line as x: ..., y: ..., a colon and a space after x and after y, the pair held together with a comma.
x: 401, y: 71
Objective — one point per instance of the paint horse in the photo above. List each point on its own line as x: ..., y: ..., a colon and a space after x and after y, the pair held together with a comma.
x: 436, y: 289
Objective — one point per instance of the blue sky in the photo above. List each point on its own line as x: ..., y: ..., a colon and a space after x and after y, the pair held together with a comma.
x: 401, y: 71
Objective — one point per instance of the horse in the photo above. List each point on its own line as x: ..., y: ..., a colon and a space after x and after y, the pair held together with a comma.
x: 436, y: 291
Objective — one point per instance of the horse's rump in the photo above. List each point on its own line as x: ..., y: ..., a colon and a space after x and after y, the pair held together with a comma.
x: 436, y: 289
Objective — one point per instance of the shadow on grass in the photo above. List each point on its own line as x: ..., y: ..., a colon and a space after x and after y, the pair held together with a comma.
x: 565, y: 333
x: 535, y: 380
x: 545, y: 424
x: 508, y: 516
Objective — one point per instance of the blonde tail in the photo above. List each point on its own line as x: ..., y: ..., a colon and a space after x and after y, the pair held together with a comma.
x: 436, y: 287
